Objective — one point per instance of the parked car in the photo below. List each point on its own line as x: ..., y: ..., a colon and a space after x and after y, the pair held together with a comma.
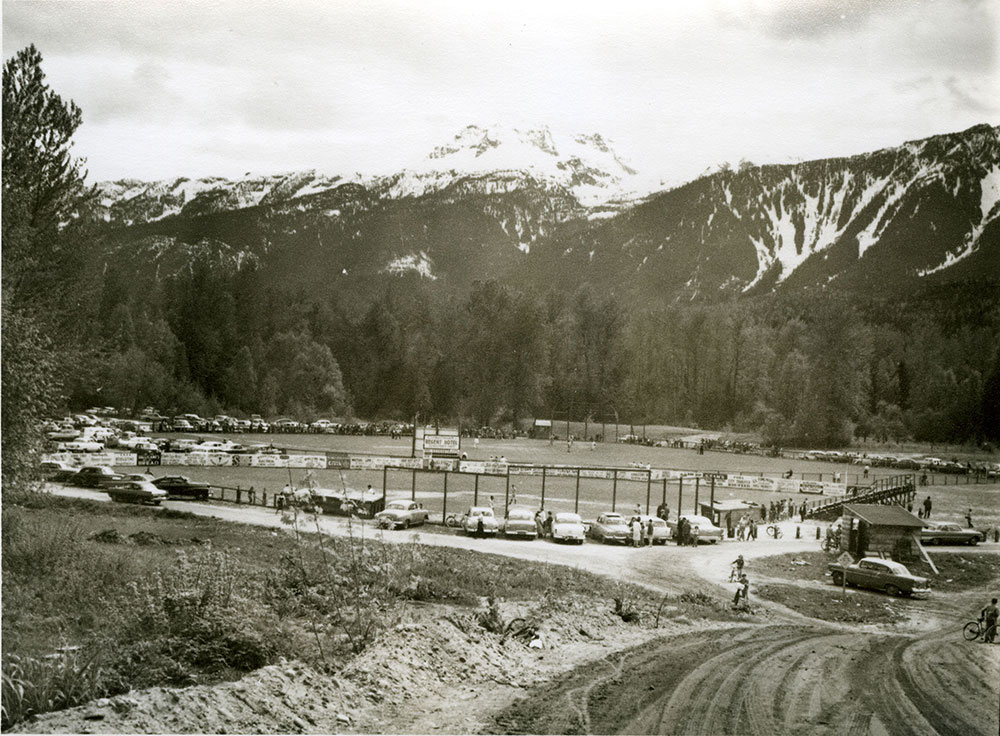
x: 58, y: 471
x: 707, y: 531
x: 520, y: 522
x: 213, y: 446
x: 660, y: 529
x: 946, y: 532
x: 182, y: 425
x: 609, y: 527
x: 402, y: 514
x: 567, y: 527
x: 82, y: 445
x: 472, y: 517
x: 94, y: 476
x: 181, y: 485
x: 135, y: 491
x: 879, y: 574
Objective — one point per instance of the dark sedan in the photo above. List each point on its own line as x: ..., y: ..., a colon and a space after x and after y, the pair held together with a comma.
x: 181, y: 485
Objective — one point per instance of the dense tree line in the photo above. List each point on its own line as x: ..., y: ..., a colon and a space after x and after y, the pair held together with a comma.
x: 803, y: 368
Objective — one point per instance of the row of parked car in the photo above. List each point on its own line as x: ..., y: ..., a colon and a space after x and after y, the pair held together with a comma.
x: 126, y: 487
x: 929, y: 464
x: 561, y: 526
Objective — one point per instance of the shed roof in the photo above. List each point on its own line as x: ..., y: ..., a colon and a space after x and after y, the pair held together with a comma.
x: 883, y: 515
x: 730, y: 505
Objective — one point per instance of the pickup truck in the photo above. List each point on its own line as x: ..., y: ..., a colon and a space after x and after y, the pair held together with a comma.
x: 879, y: 574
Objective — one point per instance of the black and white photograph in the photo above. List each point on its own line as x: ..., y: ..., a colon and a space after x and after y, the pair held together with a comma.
x: 524, y: 367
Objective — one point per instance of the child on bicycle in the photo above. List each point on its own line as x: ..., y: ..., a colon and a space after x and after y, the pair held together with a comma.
x: 736, y: 571
x: 989, y: 614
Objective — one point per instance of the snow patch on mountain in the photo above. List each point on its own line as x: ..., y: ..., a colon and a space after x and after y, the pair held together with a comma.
x: 419, y: 263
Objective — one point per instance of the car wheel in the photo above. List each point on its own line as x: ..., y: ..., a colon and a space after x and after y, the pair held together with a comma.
x: 406, y: 523
x: 838, y: 578
x: 974, y: 541
x: 892, y: 590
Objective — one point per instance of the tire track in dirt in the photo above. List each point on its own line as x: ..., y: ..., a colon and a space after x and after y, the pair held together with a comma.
x: 775, y: 679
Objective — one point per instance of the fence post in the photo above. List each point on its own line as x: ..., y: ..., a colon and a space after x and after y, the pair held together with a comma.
x: 664, y: 490
x: 543, y: 487
x: 385, y: 470
x: 680, y: 496
x: 475, y: 492
x: 697, y: 488
x: 413, y: 485
x: 576, y: 501
x: 238, y: 490
x: 649, y: 488
x: 444, y: 502
x: 506, y: 493
x: 711, y: 498
x: 614, y: 488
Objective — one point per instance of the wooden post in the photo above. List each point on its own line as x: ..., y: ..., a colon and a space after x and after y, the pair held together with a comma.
x: 680, y: 496
x: 664, y: 490
x: 576, y: 501
x: 543, y: 487
x: 697, y: 487
x: 385, y: 470
x: 444, y: 502
x: 475, y: 492
x: 711, y: 498
x: 506, y: 493
x: 413, y: 486
x: 614, y: 489
x: 649, y: 488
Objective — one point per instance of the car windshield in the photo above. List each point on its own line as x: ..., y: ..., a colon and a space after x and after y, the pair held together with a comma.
x: 399, y: 505
x: 613, y: 519
x: 568, y: 519
x: 480, y: 512
x: 519, y: 515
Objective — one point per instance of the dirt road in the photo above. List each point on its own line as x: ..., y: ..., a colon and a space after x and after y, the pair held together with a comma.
x: 789, y: 674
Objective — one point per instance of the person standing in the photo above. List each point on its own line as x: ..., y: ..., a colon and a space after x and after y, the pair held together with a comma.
x: 927, y: 507
x: 681, y: 531
x: 968, y: 519
x: 694, y: 535
x: 649, y: 532
x: 539, y: 524
x: 638, y: 532
x: 753, y: 529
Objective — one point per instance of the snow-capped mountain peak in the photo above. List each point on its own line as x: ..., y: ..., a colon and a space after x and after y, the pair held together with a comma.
x: 585, y: 165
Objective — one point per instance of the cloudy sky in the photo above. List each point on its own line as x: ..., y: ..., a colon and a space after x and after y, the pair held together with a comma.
x: 222, y: 88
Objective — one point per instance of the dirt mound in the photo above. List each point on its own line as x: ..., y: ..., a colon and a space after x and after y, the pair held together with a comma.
x: 141, y: 538
x: 437, y: 669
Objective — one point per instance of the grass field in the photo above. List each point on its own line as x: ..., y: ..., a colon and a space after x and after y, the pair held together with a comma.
x: 952, y: 498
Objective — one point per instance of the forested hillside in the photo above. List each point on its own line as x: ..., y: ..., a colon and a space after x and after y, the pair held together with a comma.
x: 809, y: 302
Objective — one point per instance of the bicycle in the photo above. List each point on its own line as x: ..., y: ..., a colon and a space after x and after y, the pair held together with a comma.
x: 452, y: 521
x: 976, y: 629
x: 774, y: 531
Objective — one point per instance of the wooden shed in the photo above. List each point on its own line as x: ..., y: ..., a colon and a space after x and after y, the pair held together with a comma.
x: 726, y: 513
x: 877, y: 529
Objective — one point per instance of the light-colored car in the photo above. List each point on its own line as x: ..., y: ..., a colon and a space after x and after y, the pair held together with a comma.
x: 520, y: 522
x: 135, y: 491
x: 182, y: 425
x: 609, y: 527
x: 946, y: 532
x: 707, y: 531
x: 567, y: 527
x: 661, y: 532
x: 403, y: 514
x: 475, y: 514
x: 213, y: 446
x: 82, y: 445
x: 879, y: 574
